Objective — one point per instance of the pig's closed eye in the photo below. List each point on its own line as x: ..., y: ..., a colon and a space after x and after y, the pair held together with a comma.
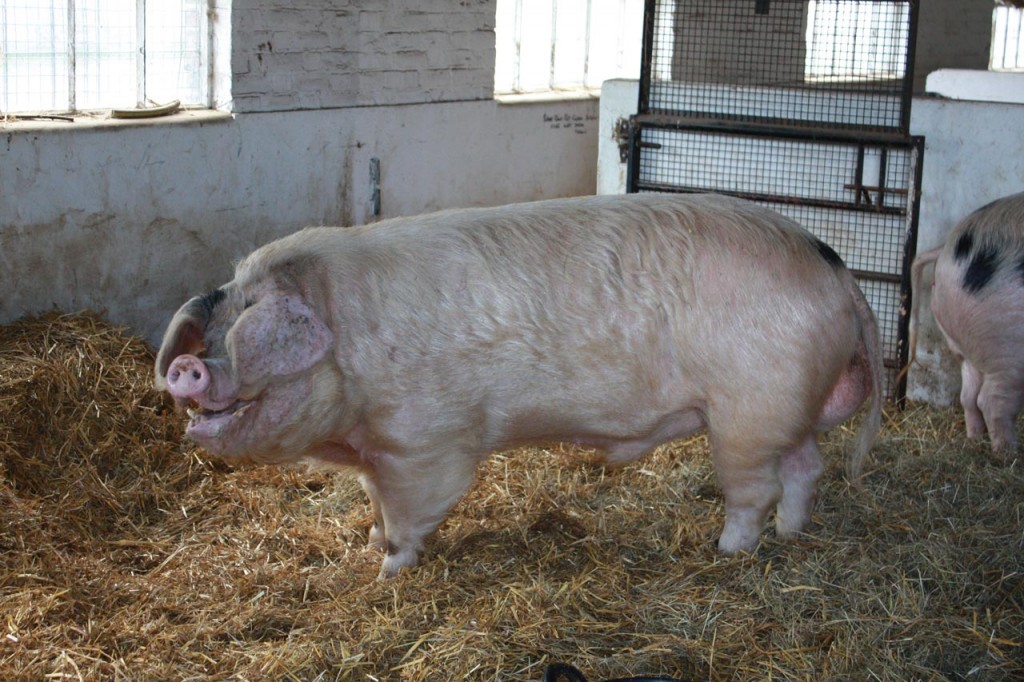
x: 248, y: 303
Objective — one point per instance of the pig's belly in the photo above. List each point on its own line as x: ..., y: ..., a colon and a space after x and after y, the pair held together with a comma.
x: 623, y: 437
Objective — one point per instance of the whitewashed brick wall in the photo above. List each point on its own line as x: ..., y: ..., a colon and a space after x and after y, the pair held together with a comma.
x: 321, y: 54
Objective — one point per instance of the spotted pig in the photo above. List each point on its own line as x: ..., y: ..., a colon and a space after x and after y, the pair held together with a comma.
x: 978, y: 303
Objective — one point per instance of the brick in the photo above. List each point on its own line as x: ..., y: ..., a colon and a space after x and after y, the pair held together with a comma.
x: 335, y: 53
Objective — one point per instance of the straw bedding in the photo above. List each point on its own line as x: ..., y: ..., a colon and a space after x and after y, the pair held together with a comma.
x: 126, y: 554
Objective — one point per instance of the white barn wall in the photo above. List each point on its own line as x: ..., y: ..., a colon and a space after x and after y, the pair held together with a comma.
x: 133, y: 220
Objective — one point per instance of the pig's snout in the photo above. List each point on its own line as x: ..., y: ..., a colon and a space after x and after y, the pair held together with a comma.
x: 187, y: 377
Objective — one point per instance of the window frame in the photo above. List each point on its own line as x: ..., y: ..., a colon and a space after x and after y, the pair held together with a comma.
x: 511, y: 78
x: 67, y: 100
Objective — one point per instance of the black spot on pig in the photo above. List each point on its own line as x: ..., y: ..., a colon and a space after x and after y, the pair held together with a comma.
x: 209, y: 301
x: 829, y: 254
x: 982, y: 267
x: 963, y: 246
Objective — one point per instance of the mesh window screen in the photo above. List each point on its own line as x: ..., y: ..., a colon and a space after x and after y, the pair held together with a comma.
x: 798, y: 105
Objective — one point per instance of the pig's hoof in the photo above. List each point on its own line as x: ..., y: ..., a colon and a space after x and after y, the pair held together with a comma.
x: 395, y: 562
x: 1004, y: 451
x: 790, y: 523
x: 376, y: 539
x: 736, y: 541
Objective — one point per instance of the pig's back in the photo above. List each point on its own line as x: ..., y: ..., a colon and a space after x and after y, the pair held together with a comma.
x: 657, y: 300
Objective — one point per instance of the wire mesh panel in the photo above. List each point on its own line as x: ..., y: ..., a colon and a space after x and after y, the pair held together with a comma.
x: 802, y: 106
x: 825, y: 63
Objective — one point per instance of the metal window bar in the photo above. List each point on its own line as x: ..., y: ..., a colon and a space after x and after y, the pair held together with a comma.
x: 72, y: 83
x: 553, y: 45
x: 517, y: 77
x: 140, y: 53
x: 586, y: 43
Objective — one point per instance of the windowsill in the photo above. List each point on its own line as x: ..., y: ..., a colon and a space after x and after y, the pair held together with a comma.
x: 102, y: 119
x: 548, y: 96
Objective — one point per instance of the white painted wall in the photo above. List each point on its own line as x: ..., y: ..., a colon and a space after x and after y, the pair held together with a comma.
x: 132, y: 220
x: 973, y: 154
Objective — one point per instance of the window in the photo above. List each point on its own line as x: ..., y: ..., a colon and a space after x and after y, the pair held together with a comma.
x: 856, y: 41
x: 552, y: 45
x: 1007, y: 39
x: 74, y: 55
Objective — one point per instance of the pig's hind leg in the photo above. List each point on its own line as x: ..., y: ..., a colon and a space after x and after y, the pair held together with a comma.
x: 970, y: 388
x: 799, y: 471
x: 410, y: 497
x: 1000, y: 402
x: 749, y: 479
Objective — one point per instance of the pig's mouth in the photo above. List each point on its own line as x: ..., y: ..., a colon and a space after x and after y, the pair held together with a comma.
x: 204, y: 421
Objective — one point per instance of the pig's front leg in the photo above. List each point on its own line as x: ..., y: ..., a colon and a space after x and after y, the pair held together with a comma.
x: 410, y: 497
x: 376, y: 539
x: 799, y: 471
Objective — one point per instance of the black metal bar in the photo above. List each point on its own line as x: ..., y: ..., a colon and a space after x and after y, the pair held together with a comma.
x: 858, y: 175
x: 876, y: 188
x: 874, y: 276
x: 647, y: 56
x: 908, y: 77
x: 871, y: 137
x: 883, y: 163
x: 773, y: 198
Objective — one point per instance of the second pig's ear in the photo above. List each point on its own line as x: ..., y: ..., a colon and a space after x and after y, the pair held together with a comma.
x: 278, y: 335
x: 185, y: 333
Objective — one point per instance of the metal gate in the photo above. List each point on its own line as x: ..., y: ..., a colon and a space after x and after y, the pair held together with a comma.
x: 801, y: 106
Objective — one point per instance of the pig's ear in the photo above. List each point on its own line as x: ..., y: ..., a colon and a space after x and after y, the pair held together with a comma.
x: 279, y: 335
x: 184, y: 335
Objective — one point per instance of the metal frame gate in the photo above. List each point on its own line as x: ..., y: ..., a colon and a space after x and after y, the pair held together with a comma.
x: 733, y: 101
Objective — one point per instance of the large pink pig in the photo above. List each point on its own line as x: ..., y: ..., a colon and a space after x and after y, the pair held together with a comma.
x: 978, y: 303
x: 412, y: 348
